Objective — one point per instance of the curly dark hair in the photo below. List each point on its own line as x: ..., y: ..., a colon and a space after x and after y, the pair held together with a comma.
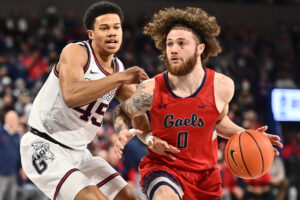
x: 100, y: 8
x: 195, y: 19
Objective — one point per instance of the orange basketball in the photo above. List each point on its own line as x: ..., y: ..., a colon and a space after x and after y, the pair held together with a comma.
x: 249, y: 154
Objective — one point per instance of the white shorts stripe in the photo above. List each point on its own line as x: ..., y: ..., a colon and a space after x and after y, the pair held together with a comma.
x: 164, y: 179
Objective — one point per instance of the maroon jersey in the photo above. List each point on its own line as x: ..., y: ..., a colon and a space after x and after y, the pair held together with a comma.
x: 186, y: 123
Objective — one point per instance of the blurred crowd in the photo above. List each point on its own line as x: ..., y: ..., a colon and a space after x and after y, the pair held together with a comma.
x: 30, y: 45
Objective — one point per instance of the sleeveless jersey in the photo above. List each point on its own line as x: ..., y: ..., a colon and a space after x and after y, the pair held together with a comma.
x: 74, y: 127
x: 186, y: 123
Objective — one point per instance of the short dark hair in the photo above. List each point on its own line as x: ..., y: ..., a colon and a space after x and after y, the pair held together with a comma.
x: 100, y: 8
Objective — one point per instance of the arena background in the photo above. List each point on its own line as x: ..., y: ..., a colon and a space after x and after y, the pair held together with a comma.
x: 261, y: 46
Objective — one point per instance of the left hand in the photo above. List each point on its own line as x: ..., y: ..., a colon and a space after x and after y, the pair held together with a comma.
x: 162, y: 148
x: 123, y: 138
x: 274, y: 139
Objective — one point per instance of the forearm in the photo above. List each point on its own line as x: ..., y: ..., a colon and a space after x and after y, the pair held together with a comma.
x: 141, y: 122
x: 84, y: 92
x: 121, y: 120
x: 226, y: 128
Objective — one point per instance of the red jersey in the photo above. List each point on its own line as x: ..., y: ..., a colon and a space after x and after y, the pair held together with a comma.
x: 186, y: 123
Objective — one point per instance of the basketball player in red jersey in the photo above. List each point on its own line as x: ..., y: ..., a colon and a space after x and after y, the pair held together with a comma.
x: 186, y: 103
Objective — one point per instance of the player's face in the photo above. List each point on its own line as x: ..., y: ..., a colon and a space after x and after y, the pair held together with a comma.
x: 107, y: 33
x: 181, y: 49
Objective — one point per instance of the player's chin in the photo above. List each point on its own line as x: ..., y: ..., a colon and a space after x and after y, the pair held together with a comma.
x: 112, y: 50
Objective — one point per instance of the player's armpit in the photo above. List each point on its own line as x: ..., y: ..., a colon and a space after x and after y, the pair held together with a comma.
x: 224, y: 88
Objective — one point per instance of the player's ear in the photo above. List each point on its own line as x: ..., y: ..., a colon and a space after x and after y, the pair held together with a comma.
x: 200, y: 48
x: 90, y: 34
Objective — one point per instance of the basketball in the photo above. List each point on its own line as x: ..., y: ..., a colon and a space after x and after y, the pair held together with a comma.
x: 249, y: 154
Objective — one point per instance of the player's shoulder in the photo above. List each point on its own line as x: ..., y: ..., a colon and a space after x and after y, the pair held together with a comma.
x: 74, y: 49
x: 74, y: 52
x: 147, y: 85
x: 224, y: 86
x: 223, y: 81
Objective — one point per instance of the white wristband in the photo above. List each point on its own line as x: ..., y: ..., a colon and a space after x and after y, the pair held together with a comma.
x: 131, y: 131
x: 149, y: 138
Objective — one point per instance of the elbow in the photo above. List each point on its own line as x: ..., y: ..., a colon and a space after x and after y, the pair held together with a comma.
x: 68, y: 100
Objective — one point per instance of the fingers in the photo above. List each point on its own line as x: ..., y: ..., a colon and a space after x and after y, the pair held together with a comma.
x: 138, y: 132
x: 169, y: 155
x: 277, y: 143
x: 150, y: 145
x: 141, y: 74
x: 262, y: 129
x: 118, y: 148
x: 172, y: 149
x: 276, y: 152
x: 275, y: 140
x: 118, y: 152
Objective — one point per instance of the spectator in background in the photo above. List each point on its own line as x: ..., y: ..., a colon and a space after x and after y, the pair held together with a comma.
x: 37, y: 66
x: 9, y: 156
x: 259, y: 188
x: 251, y: 120
x: 279, y: 181
x: 291, y: 158
x: 231, y: 184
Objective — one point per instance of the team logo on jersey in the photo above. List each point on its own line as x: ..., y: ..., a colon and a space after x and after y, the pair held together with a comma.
x: 94, y: 72
x: 194, y: 120
x: 110, y: 95
x: 40, y: 155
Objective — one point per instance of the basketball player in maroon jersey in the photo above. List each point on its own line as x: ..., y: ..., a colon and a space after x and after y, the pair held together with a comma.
x: 187, y: 103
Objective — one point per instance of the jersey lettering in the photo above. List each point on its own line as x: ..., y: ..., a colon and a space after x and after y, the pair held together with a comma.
x: 194, y: 120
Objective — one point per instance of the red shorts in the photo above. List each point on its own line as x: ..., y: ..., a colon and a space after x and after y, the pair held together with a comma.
x: 195, y: 185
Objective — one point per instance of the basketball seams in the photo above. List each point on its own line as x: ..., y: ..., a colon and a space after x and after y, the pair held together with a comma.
x: 262, y: 157
x: 242, y: 154
x: 227, y: 152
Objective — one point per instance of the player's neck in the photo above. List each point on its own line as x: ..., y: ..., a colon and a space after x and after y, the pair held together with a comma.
x: 104, y: 58
x: 184, y: 86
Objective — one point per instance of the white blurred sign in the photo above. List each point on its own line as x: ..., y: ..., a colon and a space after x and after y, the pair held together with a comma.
x: 286, y: 104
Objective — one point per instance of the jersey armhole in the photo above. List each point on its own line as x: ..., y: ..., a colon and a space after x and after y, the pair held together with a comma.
x: 213, y: 93
x: 155, y: 92
x: 83, y: 44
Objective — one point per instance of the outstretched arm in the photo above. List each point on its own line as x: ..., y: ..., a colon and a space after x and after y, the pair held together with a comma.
x: 133, y: 107
x: 134, y: 110
x: 123, y: 121
x: 225, y: 127
x: 76, y: 91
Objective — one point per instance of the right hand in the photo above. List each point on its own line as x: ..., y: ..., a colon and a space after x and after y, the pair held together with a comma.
x: 134, y: 75
x: 162, y: 148
x: 123, y: 138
